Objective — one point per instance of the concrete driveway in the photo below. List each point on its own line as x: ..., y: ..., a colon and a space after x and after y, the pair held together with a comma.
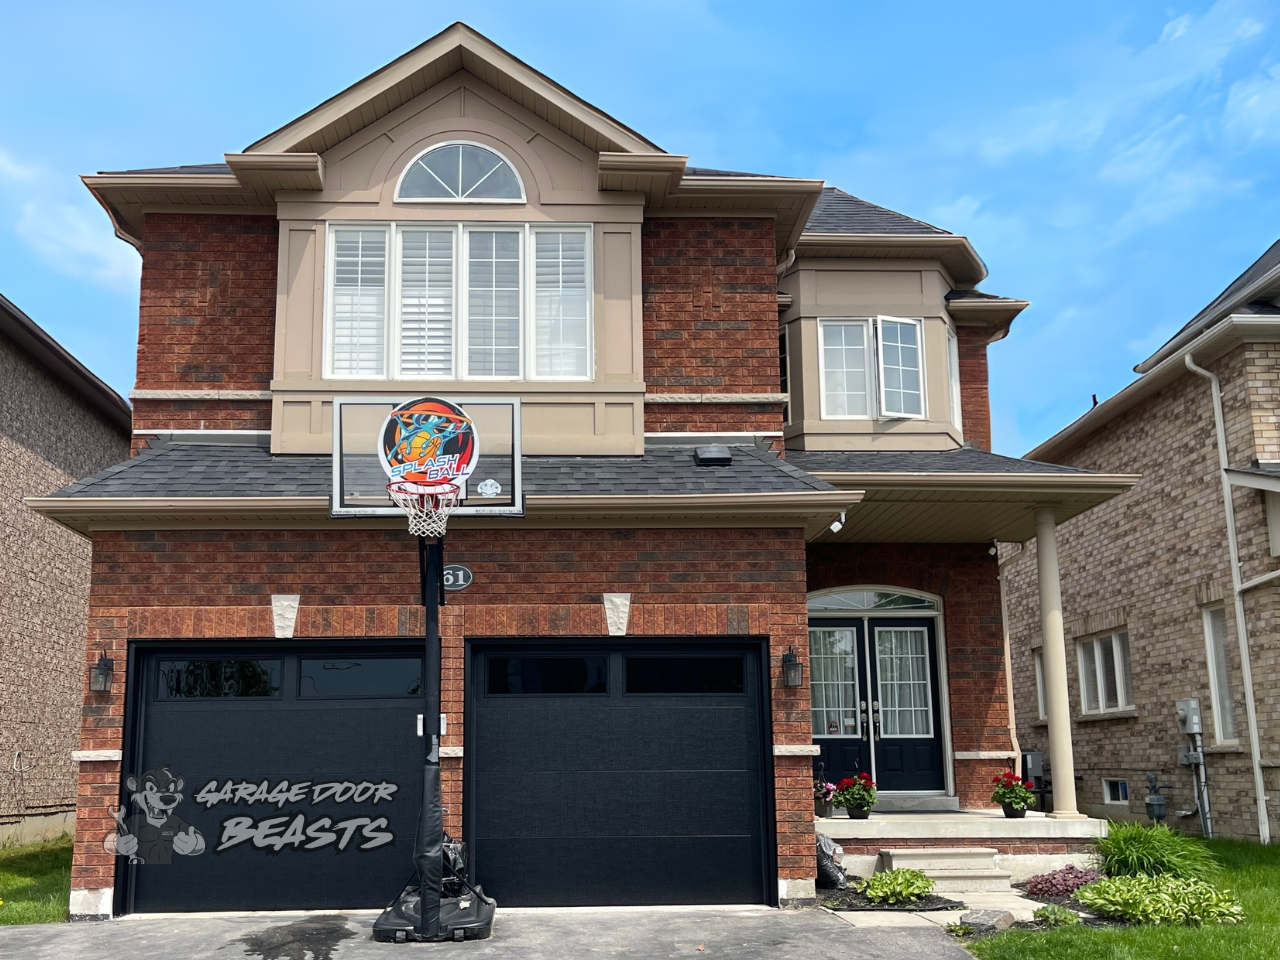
x: 744, y: 933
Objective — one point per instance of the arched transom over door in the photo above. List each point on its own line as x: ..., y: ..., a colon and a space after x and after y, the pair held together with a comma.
x: 875, y: 686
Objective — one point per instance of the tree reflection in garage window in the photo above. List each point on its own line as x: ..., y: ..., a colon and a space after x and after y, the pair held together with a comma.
x: 203, y: 679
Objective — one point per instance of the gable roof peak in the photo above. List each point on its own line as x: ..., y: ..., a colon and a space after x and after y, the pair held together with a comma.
x: 456, y: 48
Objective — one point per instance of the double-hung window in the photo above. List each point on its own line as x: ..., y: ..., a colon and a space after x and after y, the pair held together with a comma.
x: 428, y: 301
x: 871, y: 367
x: 1104, y: 673
x: 1224, y: 708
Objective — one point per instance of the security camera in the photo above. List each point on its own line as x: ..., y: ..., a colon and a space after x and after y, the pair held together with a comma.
x: 837, y: 525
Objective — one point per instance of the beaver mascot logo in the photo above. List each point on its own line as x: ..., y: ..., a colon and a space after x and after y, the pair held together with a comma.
x: 156, y: 833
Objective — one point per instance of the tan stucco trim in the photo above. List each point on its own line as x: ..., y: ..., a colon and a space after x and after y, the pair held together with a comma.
x: 1228, y: 334
x: 954, y: 252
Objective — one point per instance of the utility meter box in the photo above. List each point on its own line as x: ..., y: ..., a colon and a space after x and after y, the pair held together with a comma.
x: 1189, y: 716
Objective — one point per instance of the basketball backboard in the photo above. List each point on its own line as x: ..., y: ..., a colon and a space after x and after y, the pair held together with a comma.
x: 360, y: 483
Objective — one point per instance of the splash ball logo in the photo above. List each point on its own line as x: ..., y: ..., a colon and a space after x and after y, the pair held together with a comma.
x: 428, y: 441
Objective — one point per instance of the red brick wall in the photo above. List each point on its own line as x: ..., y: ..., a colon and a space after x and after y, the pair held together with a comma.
x: 364, y: 583
x: 710, y: 320
x: 975, y: 403
x: 206, y: 320
x: 964, y: 575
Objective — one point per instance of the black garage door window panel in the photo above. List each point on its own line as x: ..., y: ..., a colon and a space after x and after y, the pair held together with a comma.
x: 605, y: 861
x: 141, y: 665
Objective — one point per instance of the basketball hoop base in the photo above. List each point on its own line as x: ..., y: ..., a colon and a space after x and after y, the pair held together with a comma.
x: 427, y: 505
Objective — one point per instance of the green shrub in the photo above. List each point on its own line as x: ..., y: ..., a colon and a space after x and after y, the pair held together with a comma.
x: 1136, y: 850
x: 895, y: 886
x: 1163, y: 899
x: 1052, y: 915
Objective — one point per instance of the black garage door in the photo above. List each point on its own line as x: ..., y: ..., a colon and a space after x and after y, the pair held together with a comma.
x: 300, y: 770
x: 617, y: 774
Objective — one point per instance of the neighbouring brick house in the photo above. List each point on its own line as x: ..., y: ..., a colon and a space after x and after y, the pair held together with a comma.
x: 651, y: 336
x: 58, y: 422
x: 1152, y: 605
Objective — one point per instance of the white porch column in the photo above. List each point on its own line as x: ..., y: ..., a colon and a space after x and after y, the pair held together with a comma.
x: 1057, y: 699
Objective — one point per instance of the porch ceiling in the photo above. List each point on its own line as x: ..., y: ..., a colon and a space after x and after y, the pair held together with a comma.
x: 919, y: 508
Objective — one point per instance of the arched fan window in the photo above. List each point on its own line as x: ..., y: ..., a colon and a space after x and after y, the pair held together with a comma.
x: 461, y: 172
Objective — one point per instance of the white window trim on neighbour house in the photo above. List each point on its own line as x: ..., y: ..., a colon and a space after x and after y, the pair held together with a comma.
x: 531, y: 329
x: 1122, y: 787
x: 1037, y: 656
x: 1118, y: 643
x: 1219, y: 664
x: 874, y: 395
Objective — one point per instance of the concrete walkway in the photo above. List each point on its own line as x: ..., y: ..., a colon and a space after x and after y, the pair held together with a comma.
x: 635, y: 933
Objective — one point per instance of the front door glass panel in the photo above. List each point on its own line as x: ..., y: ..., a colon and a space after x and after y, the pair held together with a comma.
x: 833, y: 684
x: 905, y: 701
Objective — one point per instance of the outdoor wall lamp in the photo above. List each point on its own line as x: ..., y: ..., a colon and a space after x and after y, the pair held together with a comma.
x: 100, y: 674
x: 791, y: 669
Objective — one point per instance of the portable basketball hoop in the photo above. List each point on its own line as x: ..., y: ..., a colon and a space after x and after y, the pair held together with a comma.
x: 427, y: 506
x: 428, y: 448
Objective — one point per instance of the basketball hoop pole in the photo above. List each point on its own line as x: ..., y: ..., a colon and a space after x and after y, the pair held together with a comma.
x: 428, y: 848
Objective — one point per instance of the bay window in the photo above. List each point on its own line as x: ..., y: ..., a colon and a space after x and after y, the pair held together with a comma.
x: 856, y: 386
x: 413, y: 301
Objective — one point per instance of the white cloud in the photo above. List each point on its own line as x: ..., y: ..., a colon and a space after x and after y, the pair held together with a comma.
x: 1253, y: 107
x: 58, y: 220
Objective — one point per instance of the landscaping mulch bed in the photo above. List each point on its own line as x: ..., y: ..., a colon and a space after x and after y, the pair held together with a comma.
x: 850, y: 899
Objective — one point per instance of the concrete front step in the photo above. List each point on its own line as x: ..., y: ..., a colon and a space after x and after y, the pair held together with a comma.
x: 952, y: 869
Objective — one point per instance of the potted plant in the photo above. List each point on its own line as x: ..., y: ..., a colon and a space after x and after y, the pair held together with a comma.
x: 1013, y: 794
x: 857, y: 795
x: 822, y: 794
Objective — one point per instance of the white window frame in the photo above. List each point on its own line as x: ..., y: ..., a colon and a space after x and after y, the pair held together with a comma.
x: 868, y: 325
x: 1106, y: 792
x: 1124, y: 683
x: 526, y: 370
x: 461, y: 143
x: 1042, y: 708
x: 918, y: 323
x: 1215, y: 692
x: 953, y: 377
x: 928, y: 684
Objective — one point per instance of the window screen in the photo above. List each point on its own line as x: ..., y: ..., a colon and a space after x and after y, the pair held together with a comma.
x: 493, y: 304
x: 845, y: 383
x: 547, y: 675
x: 203, y: 679
x: 685, y: 675
x: 336, y: 677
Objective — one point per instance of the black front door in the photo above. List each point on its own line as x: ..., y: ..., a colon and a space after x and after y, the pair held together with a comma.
x: 876, y: 691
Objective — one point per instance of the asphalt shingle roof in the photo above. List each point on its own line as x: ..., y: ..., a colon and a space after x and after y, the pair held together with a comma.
x: 211, y: 470
x: 190, y: 169
x: 840, y: 212
x: 963, y: 460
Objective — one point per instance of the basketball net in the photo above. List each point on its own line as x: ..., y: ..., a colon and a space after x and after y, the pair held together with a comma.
x: 427, y: 505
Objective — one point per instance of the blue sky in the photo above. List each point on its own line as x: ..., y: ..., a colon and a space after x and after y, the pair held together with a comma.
x: 1116, y: 164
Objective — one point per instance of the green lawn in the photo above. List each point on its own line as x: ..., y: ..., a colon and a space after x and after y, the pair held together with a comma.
x: 35, y: 881
x: 1252, y: 871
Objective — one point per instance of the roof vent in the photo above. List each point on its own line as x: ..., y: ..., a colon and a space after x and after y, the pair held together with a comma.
x: 712, y: 455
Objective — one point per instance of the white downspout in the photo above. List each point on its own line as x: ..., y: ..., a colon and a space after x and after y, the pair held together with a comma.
x: 787, y: 261
x: 1237, y: 594
x: 1008, y: 659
